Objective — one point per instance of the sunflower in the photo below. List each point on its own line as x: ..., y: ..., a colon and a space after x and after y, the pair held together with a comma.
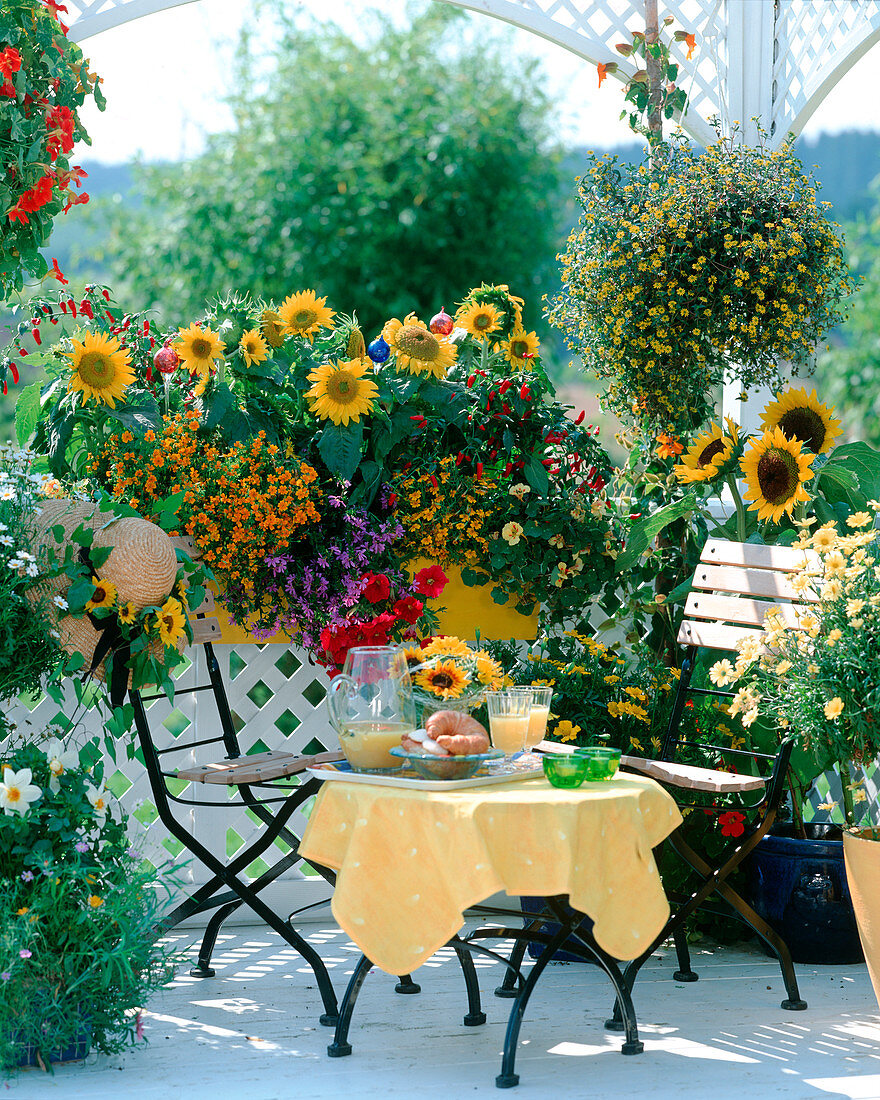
x: 775, y: 469
x: 414, y: 657
x: 418, y: 350
x: 802, y: 416
x: 198, y: 348
x: 479, y: 319
x: 104, y: 594
x: 101, y: 368
x: 708, y: 454
x: 448, y: 646
x: 521, y: 347
x: 489, y: 671
x: 445, y: 680
x: 340, y: 392
x: 171, y: 621
x: 253, y: 347
x: 127, y: 612
x: 304, y: 314
x: 273, y: 328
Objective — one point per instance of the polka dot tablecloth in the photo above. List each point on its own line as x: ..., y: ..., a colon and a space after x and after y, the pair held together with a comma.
x: 411, y: 861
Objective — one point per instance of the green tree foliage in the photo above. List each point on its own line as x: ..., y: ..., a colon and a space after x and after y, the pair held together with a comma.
x: 390, y: 175
x: 848, y: 370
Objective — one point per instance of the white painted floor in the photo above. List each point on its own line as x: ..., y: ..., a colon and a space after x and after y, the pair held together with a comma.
x: 252, y: 1033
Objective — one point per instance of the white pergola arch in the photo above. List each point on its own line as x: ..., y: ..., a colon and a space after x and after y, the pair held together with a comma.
x: 771, y: 60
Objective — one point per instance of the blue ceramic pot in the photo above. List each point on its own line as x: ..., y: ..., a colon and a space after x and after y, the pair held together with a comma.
x: 76, y: 1051
x: 799, y: 887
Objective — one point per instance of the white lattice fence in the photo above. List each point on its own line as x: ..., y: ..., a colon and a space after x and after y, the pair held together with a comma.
x: 276, y: 699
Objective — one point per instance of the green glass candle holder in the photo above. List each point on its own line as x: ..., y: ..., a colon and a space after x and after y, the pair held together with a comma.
x: 565, y: 770
x: 602, y: 762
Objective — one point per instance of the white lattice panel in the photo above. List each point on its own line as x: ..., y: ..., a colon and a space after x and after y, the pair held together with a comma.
x: 277, y: 702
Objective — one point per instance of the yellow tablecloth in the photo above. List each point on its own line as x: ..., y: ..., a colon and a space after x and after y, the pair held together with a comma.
x: 411, y: 861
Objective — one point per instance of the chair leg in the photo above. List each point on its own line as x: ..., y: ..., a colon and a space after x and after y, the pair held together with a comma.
x: 684, y: 972
x: 340, y: 1046
x: 203, y: 968
x: 406, y: 985
x: 475, y: 1015
x: 508, y: 983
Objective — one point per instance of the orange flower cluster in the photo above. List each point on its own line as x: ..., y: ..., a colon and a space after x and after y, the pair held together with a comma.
x: 252, y: 503
x: 444, y: 515
x: 142, y: 470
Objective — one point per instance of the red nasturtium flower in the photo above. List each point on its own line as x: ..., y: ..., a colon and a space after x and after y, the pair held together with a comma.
x: 732, y: 823
x: 430, y: 582
x: 376, y: 588
x: 10, y: 62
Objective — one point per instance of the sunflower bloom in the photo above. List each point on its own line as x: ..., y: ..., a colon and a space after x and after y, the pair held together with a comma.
x: 272, y: 328
x: 802, y: 416
x: 127, y: 612
x: 104, y: 594
x: 198, y: 348
x: 304, y: 313
x: 489, y: 671
x: 775, y: 469
x: 340, y: 392
x: 480, y: 319
x: 520, y: 348
x: 705, y: 458
x: 446, y: 646
x: 417, y: 350
x: 101, y: 368
x: 253, y: 347
x: 445, y: 680
x: 171, y: 621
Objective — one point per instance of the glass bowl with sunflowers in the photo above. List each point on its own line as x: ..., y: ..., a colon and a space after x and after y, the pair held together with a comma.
x: 447, y: 674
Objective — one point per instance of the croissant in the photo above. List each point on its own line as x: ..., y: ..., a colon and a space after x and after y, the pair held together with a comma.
x: 458, y: 733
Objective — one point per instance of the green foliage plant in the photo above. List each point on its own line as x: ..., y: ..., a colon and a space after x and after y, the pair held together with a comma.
x: 44, y: 81
x: 397, y: 162
x: 78, y: 907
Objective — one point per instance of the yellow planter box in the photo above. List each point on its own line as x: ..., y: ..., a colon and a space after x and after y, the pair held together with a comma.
x: 471, y: 609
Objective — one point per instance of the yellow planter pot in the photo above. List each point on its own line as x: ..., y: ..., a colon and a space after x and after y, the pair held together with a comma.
x: 861, y: 855
x: 231, y: 634
x: 471, y: 609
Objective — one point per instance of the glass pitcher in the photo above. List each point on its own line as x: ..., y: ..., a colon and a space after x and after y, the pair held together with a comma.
x: 370, y: 705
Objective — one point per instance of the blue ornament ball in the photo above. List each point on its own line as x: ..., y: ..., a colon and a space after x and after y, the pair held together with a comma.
x: 379, y: 351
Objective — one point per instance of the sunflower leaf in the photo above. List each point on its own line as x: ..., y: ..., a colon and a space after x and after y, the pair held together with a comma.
x: 340, y: 447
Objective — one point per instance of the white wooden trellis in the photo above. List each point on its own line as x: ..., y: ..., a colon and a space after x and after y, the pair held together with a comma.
x: 771, y: 60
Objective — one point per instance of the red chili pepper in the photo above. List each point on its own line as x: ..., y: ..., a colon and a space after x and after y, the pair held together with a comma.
x: 5, y: 389
x: 507, y: 469
x: 579, y: 419
x: 146, y: 328
x: 72, y: 307
x: 418, y: 419
x: 434, y: 481
x: 492, y: 454
x: 152, y: 342
x: 21, y: 351
x: 459, y: 458
x: 106, y: 294
x: 47, y: 309
x: 63, y: 305
x: 506, y: 409
x: 479, y: 470
x: 471, y: 380
x: 546, y: 461
x: 505, y: 386
x: 149, y: 374
x: 524, y: 392
x: 110, y: 316
x: 14, y: 370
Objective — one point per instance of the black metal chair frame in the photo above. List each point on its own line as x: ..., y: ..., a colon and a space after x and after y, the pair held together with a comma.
x: 572, y: 933
x: 238, y: 890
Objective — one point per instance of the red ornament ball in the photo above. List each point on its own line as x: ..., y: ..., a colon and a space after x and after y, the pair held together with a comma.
x: 441, y: 323
x: 166, y: 360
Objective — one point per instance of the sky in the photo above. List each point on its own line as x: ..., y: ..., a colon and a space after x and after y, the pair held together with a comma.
x: 165, y: 77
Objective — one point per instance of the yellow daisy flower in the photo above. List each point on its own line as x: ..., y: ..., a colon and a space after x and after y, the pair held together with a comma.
x: 566, y: 731
x: 479, y: 319
x: 171, y: 621
x: 801, y: 416
x: 253, y: 347
x: 445, y: 680
x: 520, y: 348
x: 340, y: 392
x: 304, y: 313
x: 104, y: 594
x: 417, y: 349
x: 775, y: 469
x: 101, y: 368
x: 833, y: 708
x: 198, y: 348
x: 825, y: 538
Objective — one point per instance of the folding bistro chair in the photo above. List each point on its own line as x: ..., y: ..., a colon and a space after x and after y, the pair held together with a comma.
x: 733, y: 588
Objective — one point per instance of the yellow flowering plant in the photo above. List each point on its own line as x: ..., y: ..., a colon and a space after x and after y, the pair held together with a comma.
x: 448, y: 674
x: 817, y: 674
x: 694, y: 265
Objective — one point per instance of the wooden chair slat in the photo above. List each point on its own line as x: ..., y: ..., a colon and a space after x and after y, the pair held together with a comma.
x: 748, y: 582
x: 754, y: 556
x: 714, y: 635
x: 692, y: 778
x: 205, y: 630
x: 734, y: 609
x: 258, y: 768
